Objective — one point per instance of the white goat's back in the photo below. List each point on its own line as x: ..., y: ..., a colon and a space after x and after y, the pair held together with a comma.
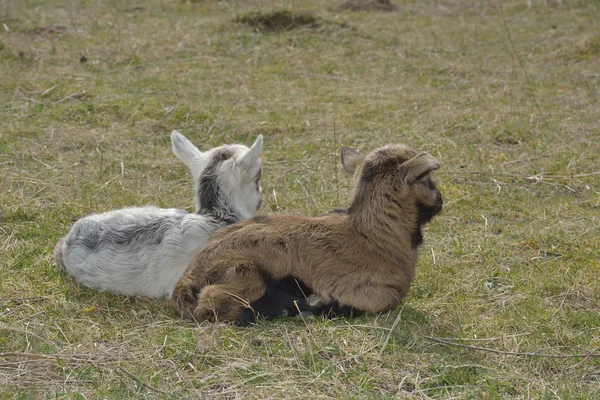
x: 144, y: 250
x: 135, y: 251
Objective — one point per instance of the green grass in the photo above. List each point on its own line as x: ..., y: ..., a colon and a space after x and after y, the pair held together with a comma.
x: 89, y: 92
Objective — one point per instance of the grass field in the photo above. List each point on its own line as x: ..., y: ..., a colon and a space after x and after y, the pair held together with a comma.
x: 506, y: 300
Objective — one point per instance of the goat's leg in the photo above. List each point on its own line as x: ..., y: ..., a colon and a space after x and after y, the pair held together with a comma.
x: 227, y: 301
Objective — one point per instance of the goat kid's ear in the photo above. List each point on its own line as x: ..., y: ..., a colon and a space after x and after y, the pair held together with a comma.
x: 421, y: 164
x: 185, y: 150
x: 350, y: 159
x: 252, y: 155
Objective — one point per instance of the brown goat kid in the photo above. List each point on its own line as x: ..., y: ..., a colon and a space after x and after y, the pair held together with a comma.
x: 364, y: 258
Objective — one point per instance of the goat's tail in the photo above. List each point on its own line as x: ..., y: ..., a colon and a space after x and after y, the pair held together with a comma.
x: 58, y: 255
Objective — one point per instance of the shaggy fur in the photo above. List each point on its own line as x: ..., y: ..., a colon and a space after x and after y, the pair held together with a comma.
x: 144, y: 250
x: 363, y: 258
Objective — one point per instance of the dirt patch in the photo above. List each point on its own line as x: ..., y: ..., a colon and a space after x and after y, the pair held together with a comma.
x: 367, y: 5
x: 279, y: 21
x: 48, y: 30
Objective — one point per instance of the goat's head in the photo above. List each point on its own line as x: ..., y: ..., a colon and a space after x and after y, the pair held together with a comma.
x: 397, y: 174
x: 226, y: 178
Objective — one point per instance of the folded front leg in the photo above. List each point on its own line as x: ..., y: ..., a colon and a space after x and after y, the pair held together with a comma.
x: 226, y: 301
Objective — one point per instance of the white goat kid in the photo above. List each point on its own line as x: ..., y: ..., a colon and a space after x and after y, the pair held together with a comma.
x: 145, y: 250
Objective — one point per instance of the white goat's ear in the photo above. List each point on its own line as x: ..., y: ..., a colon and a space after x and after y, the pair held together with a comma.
x: 350, y: 159
x: 185, y: 150
x: 420, y: 165
x: 250, y: 158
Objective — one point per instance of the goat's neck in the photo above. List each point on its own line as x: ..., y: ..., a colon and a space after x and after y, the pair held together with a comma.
x: 223, y: 213
x: 385, y: 221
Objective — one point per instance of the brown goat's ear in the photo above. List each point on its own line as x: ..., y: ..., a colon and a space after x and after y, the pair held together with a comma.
x: 421, y: 164
x: 350, y: 159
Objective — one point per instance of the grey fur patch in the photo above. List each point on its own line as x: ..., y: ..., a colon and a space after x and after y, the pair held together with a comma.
x: 212, y: 201
x: 94, y: 237
x: 58, y: 255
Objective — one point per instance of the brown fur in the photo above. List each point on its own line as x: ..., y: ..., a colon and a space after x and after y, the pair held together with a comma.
x: 363, y: 259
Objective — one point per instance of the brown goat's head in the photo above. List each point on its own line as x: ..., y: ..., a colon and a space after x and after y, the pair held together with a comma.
x: 394, y: 174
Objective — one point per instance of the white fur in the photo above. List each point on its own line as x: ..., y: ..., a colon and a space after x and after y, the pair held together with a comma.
x: 145, y: 250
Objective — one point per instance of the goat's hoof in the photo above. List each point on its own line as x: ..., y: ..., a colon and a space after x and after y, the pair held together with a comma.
x: 314, y: 300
